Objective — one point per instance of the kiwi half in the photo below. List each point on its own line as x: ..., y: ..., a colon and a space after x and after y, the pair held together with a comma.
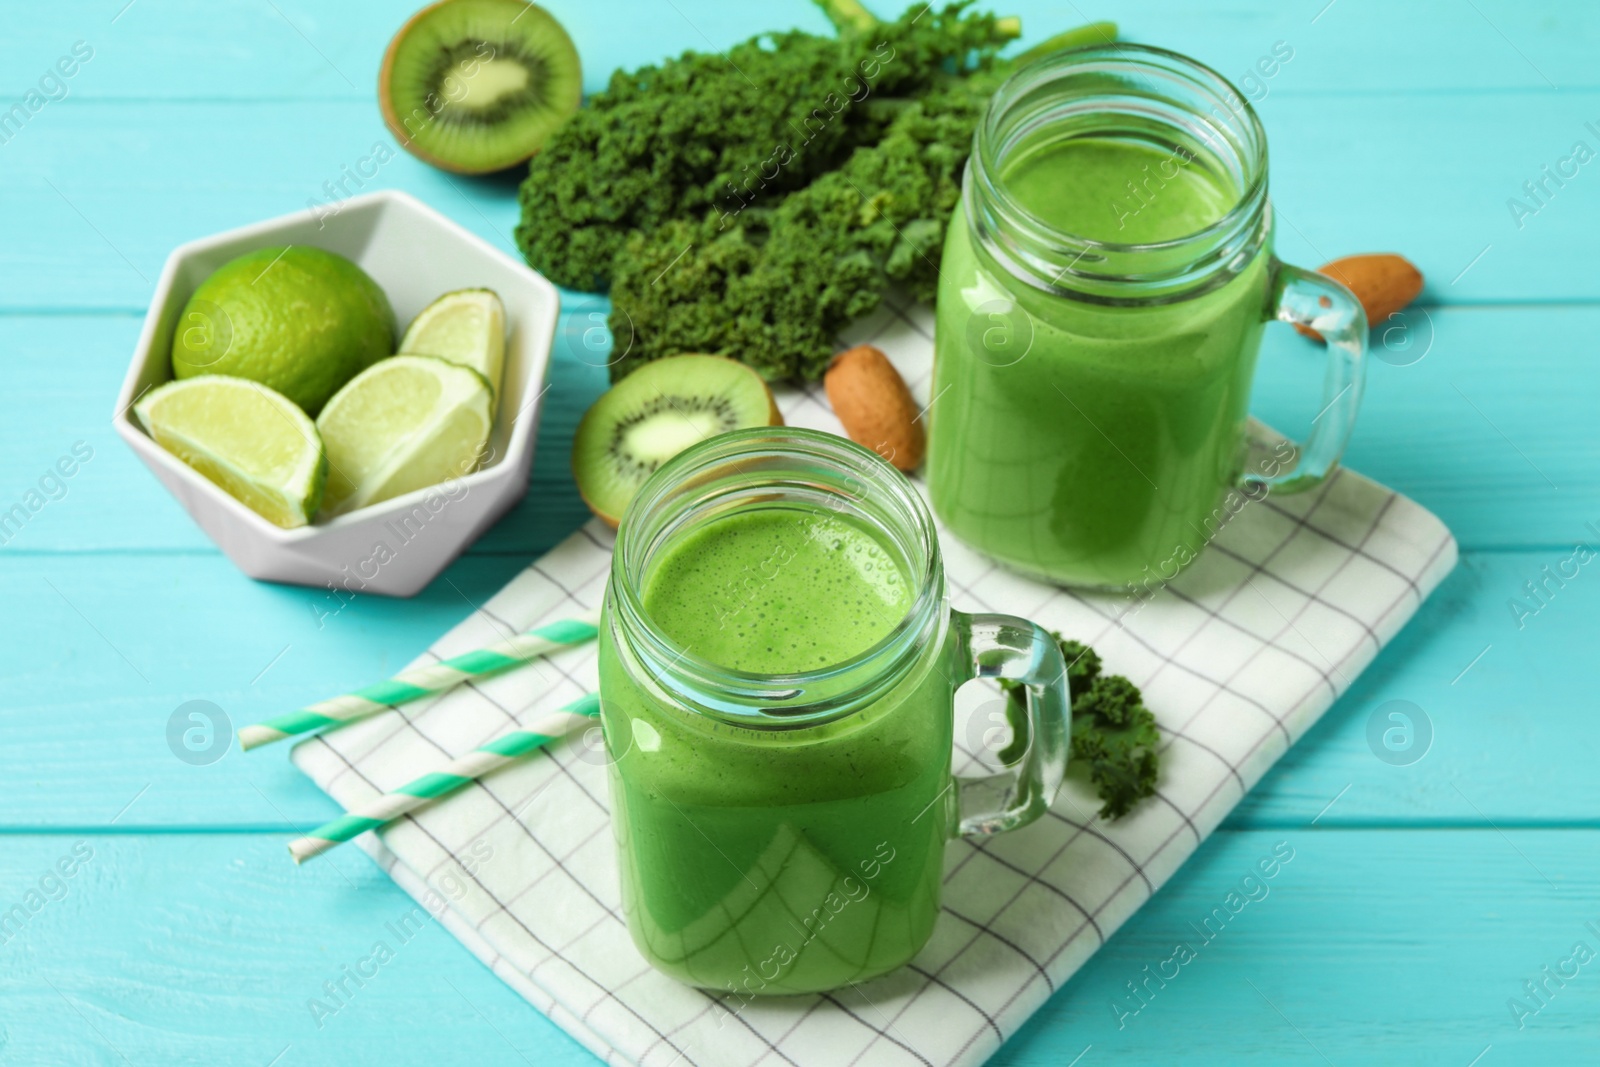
x: 475, y: 86
x: 656, y: 412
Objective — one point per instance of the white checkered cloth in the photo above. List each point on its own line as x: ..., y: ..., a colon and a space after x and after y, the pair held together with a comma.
x: 1237, y: 658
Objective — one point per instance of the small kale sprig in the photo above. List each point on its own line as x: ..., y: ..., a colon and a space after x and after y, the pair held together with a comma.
x: 1114, y: 736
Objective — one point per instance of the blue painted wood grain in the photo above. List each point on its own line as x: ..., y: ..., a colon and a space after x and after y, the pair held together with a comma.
x: 1421, y: 898
x: 206, y: 948
x: 129, y: 179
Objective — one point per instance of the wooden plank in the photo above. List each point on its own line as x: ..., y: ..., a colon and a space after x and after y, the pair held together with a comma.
x: 1368, y: 946
x: 96, y: 208
x: 114, y: 644
x: 192, y: 948
x: 303, y: 50
x: 1457, y: 409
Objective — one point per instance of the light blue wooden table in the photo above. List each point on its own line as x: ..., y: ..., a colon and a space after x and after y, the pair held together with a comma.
x: 1421, y: 898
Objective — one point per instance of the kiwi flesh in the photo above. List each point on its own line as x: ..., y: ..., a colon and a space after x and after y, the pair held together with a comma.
x: 475, y: 86
x: 656, y: 412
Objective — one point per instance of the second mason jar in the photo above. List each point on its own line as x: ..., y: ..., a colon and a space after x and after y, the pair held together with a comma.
x: 1101, y: 301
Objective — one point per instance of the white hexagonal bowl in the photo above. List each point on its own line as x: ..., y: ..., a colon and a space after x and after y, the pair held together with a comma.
x: 397, y: 547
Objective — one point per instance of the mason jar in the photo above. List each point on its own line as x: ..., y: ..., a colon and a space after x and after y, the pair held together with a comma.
x: 784, y: 831
x: 1103, y: 291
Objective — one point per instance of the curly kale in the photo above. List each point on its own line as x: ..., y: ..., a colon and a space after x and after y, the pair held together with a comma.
x: 1114, y: 736
x: 712, y: 133
x: 1083, y: 665
x: 773, y: 288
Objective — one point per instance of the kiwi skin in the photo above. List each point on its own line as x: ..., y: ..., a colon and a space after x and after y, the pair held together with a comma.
x: 774, y: 418
x: 393, y: 120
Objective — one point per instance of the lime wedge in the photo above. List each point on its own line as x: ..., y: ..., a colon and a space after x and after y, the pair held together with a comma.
x: 252, y: 441
x: 404, y: 423
x: 467, y: 327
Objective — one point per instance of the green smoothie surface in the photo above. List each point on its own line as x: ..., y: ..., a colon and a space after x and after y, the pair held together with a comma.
x: 777, y: 591
x: 1122, y: 191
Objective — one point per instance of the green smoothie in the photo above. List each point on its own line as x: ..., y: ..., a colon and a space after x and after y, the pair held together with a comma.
x: 788, y: 592
x: 764, y: 859
x: 1100, y: 457
x: 1118, y: 190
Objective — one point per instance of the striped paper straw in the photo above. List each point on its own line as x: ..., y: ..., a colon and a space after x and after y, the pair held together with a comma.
x: 421, y: 681
x: 455, y: 774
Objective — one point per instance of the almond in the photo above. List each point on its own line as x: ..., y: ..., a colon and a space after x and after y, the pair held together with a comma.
x: 1382, y: 281
x: 872, y: 401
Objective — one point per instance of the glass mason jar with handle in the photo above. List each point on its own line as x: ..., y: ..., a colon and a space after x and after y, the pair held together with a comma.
x: 781, y: 802
x: 1103, y: 291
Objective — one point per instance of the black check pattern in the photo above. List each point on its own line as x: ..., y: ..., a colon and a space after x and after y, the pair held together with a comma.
x: 1238, y: 657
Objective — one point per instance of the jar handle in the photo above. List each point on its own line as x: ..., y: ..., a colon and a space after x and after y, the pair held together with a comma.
x: 1306, y: 298
x: 1004, y: 646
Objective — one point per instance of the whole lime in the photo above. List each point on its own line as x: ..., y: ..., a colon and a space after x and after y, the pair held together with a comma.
x: 298, y: 319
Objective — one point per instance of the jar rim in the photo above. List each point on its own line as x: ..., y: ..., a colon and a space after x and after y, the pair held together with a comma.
x: 788, y: 700
x: 1187, y: 261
